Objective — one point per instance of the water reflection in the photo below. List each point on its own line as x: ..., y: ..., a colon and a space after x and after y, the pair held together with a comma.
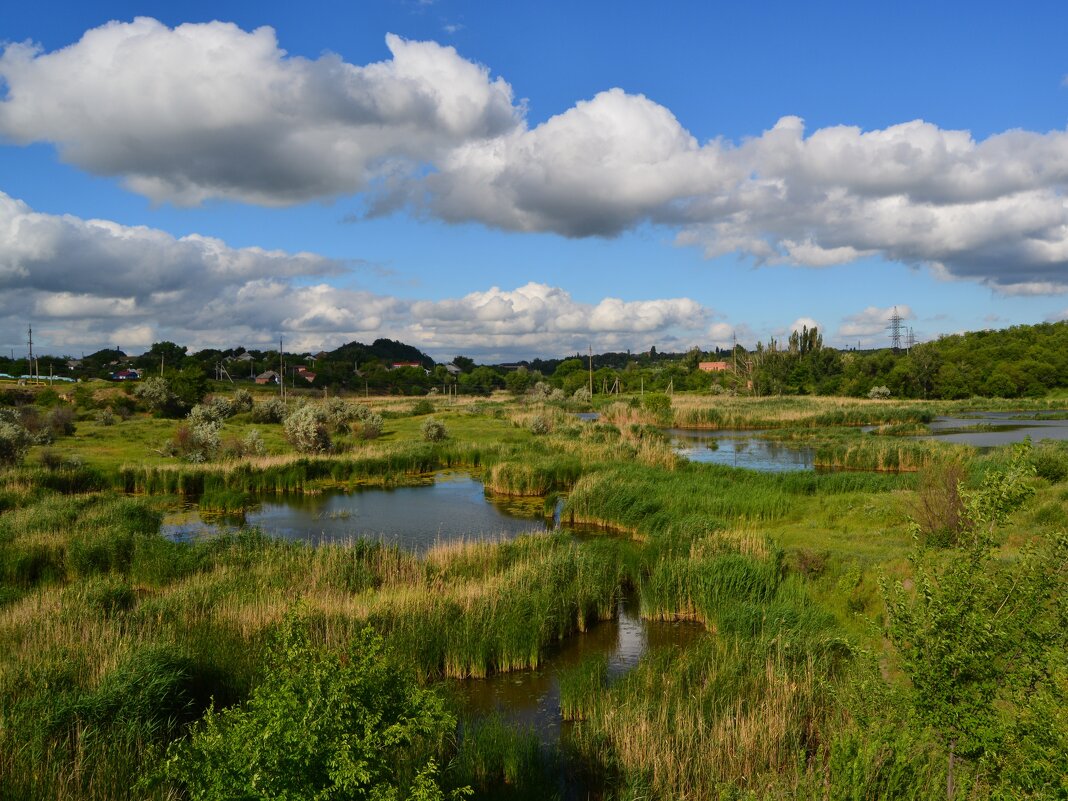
x: 531, y: 698
x: 740, y: 449
x: 454, y: 506
x: 999, y: 428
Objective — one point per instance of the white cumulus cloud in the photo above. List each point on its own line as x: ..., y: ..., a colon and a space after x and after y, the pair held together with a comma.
x: 211, y: 111
x: 86, y: 284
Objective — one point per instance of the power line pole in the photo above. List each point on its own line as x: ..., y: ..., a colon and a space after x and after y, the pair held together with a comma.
x: 29, y: 342
x: 281, y: 372
x: 591, y: 370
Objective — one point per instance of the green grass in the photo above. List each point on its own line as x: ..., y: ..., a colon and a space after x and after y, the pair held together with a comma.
x: 112, y: 638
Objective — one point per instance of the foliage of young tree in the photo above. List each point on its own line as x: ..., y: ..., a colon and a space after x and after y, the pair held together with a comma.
x: 322, y: 725
x: 981, y: 639
x: 189, y: 385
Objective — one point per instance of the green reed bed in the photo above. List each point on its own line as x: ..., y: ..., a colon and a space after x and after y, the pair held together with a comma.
x: 506, y: 621
x: 884, y: 454
x: 274, y: 475
x: 751, y: 413
x: 646, y: 501
x: 500, y: 761
x: 533, y: 477
x: 581, y: 686
x: 742, y: 709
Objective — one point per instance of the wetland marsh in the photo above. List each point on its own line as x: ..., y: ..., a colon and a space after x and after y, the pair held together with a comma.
x: 713, y: 628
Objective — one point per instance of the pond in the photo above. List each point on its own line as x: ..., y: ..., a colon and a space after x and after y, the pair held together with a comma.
x: 990, y: 429
x: 453, y: 506
x: 740, y: 449
x: 531, y: 698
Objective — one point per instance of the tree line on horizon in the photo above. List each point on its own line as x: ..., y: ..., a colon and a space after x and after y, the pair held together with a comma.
x: 1021, y: 361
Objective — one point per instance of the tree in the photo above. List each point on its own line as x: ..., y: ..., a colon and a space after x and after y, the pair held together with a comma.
x: 322, y: 725
x: 189, y: 385
x: 980, y: 636
x: 465, y: 364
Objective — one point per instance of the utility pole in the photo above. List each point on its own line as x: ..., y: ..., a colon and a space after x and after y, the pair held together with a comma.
x: 30, y: 359
x: 281, y: 372
x: 591, y: 370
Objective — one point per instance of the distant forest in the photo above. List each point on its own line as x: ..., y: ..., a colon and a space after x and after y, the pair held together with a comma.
x: 1022, y: 361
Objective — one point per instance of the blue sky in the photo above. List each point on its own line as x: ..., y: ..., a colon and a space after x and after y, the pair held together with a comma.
x: 516, y: 180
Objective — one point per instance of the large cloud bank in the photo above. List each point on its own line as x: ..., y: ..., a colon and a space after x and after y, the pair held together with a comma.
x: 91, y: 283
x: 205, y: 111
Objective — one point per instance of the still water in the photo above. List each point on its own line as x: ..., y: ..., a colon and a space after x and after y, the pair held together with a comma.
x: 999, y: 428
x: 454, y: 506
x: 740, y: 449
x: 531, y: 698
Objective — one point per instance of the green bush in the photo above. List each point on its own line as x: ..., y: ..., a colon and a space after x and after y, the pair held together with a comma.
x: 433, y: 430
x: 306, y: 430
x: 14, y: 442
x: 421, y: 407
x: 322, y: 724
x: 270, y: 411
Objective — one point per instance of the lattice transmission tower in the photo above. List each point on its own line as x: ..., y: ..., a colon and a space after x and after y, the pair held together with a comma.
x: 894, y: 329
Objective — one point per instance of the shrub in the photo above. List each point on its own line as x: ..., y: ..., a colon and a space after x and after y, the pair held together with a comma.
x: 14, y: 442
x: 341, y: 725
x: 155, y: 394
x: 270, y: 411
x: 106, y: 417
x: 421, y: 407
x: 241, y: 401
x: 212, y: 412
x: 339, y: 413
x: 50, y: 460
x: 540, y: 425
x: 659, y: 405
x: 60, y: 420
x: 1050, y: 462
x: 879, y: 393
x: 253, y: 443
x: 221, y: 408
x: 433, y: 430
x: 306, y: 431
x: 198, y: 440
x: 371, y: 427
x: 541, y: 391
x: 938, y: 509
x: 582, y: 395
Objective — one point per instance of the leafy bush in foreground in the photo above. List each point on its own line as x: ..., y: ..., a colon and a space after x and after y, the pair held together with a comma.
x: 321, y: 725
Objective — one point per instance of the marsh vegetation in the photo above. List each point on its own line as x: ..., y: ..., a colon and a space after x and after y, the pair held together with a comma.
x: 894, y: 629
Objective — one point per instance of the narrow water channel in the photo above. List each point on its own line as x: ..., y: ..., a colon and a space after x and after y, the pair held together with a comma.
x: 531, y: 698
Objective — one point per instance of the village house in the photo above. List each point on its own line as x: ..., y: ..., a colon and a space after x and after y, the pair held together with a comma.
x: 713, y: 367
x: 270, y: 377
